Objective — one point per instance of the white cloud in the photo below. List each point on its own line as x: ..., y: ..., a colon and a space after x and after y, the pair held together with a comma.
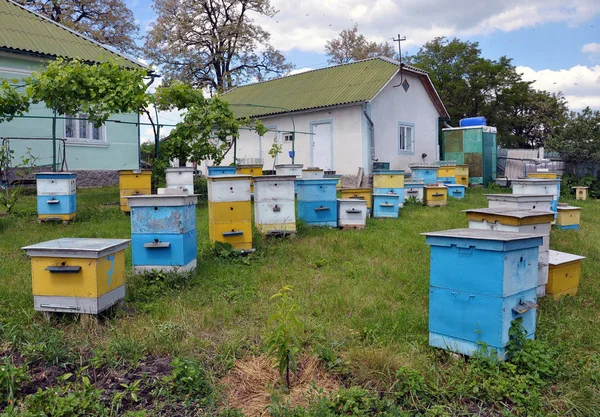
x: 299, y: 71
x: 591, y: 48
x: 308, y: 24
x: 579, y: 84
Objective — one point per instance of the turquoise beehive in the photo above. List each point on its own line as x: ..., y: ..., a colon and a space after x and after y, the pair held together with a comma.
x: 317, y: 201
x: 480, y: 281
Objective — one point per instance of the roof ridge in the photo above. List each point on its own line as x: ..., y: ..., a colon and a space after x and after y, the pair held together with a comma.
x: 80, y: 35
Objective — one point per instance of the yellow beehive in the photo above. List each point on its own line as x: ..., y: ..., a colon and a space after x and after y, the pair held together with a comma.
x: 543, y: 175
x: 230, y: 210
x: 461, y: 175
x: 446, y: 171
x: 390, y: 179
x: 133, y: 182
x: 581, y: 193
x: 252, y: 170
x: 568, y: 217
x: 78, y: 275
x: 358, y: 194
x: 563, y: 274
x: 436, y: 195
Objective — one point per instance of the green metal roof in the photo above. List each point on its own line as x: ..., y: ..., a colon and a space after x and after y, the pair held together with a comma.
x: 342, y: 84
x: 25, y: 31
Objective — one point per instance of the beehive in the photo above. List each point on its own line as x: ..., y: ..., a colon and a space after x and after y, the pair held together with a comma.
x: 426, y: 173
x: 568, y: 217
x: 358, y: 194
x: 317, y: 203
x: 386, y: 205
x: 461, y: 175
x: 163, y: 232
x: 564, y: 274
x: 543, y: 175
x: 216, y: 171
x: 254, y: 170
x: 456, y: 191
x: 520, y: 202
x: 338, y: 177
x: 133, y: 182
x: 230, y: 211
x: 538, y: 186
x: 414, y: 189
x: 56, y: 196
x: 480, y: 281
x: 74, y: 275
x: 533, y: 222
x: 352, y: 213
x: 435, y: 195
x: 387, y: 181
x: 274, y: 204
x: 312, y: 173
x: 181, y: 179
x: 289, y: 169
x: 581, y: 193
x: 446, y: 174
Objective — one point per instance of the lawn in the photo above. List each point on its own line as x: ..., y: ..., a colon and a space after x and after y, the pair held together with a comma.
x: 193, y: 345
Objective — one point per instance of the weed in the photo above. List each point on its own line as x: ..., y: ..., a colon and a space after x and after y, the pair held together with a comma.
x: 146, y: 288
x: 11, y: 378
x: 188, y: 381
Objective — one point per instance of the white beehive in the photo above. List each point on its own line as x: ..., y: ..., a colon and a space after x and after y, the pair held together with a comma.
x: 312, y: 173
x: 181, y: 178
x: 289, y: 169
x: 352, y: 213
x: 520, y: 201
x: 229, y: 188
x: 274, y: 205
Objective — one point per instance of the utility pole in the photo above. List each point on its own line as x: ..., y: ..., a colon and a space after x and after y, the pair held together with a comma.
x: 400, y: 39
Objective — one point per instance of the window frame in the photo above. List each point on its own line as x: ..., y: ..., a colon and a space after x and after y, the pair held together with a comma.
x: 89, y: 131
x: 284, y: 135
x: 402, y: 128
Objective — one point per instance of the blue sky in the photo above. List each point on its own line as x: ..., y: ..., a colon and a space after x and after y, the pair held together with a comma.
x: 555, y: 43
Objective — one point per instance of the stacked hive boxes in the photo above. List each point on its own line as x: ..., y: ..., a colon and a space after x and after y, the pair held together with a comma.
x: 435, y: 195
x: 446, y: 173
x: 387, y: 181
x: 563, y: 277
x: 230, y: 211
x: 359, y: 194
x: 533, y: 222
x: 317, y: 204
x: 461, y: 175
x: 274, y: 204
x: 163, y: 232
x: 134, y: 182
x: 568, y: 217
x: 78, y: 275
x: 352, y: 213
x: 537, y: 186
x: 216, y: 171
x: 56, y: 196
x: 480, y: 281
x: 181, y: 179
x: 254, y: 170
x: 520, y: 202
x: 312, y: 173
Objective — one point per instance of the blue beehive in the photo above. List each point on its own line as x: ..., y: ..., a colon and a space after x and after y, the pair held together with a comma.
x: 221, y: 170
x: 456, y: 191
x: 56, y: 196
x: 428, y: 174
x: 446, y: 180
x: 163, y: 232
x: 386, y: 205
x: 480, y: 281
x: 317, y: 201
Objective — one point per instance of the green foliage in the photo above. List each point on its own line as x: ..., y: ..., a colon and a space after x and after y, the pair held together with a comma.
x: 13, y: 192
x: 146, y: 288
x: 12, y: 103
x: 189, y: 381
x: 201, y: 188
x: 569, y: 180
x: 11, y: 378
x: 282, y: 341
x: 352, y: 46
x: 579, y: 140
x: 275, y: 150
x: 98, y: 90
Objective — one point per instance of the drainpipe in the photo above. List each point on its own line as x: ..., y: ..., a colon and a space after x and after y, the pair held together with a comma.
x: 372, y: 137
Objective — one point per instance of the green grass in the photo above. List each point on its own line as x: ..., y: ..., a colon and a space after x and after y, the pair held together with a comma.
x: 361, y: 294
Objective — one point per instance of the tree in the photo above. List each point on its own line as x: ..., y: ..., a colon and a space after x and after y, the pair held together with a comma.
x: 12, y: 103
x: 109, y: 22
x: 470, y: 85
x: 579, y: 140
x: 213, y: 44
x: 351, y: 46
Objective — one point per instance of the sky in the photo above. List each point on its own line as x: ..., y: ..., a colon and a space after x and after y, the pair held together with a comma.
x: 555, y: 43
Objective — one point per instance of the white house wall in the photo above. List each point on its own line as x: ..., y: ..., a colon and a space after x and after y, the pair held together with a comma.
x: 393, y: 105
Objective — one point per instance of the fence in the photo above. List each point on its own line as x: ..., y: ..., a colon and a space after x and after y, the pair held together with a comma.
x: 517, y: 163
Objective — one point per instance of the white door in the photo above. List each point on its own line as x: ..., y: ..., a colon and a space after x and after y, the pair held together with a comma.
x: 322, y: 146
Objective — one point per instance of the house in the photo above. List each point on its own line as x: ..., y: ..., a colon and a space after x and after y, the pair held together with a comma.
x: 27, y: 42
x: 344, y: 117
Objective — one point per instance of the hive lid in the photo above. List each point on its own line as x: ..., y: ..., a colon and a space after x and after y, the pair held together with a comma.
x: 135, y: 172
x: 579, y: 186
x: 455, y: 185
x: 435, y: 186
x: 162, y: 200
x: 232, y: 177
x: 524, y: 197
x: 77, y: 247
x: 271, y: 178
x: 510, y: 212
x: 559, y: 258
x: 481, y: 234
x: 311, y: 181
x: 540, y: 181
x: 388, y: 171
x: 180, y: 169
x: 352, y: 201
x: 568, y: 208
x: 313, y: 169
x: 356, y: 190
x: 55, y: 175
x: 289, y: 166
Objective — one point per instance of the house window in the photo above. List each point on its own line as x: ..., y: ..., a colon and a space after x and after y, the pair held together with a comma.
x: 287, y: 137
x: 406, y: 138
x: 77, y: 128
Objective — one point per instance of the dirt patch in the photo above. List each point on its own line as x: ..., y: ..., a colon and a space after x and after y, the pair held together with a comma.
x: 248, y: 386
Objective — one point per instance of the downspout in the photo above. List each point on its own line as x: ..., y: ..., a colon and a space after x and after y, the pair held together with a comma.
x: 371, y: 137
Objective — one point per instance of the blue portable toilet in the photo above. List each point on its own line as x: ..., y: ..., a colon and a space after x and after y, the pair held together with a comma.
x: 163, y: 232
x: 317, y: 201
x: 480, y: 281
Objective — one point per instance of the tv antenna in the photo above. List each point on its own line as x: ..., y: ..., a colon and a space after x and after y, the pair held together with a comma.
x: 400, y: 39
